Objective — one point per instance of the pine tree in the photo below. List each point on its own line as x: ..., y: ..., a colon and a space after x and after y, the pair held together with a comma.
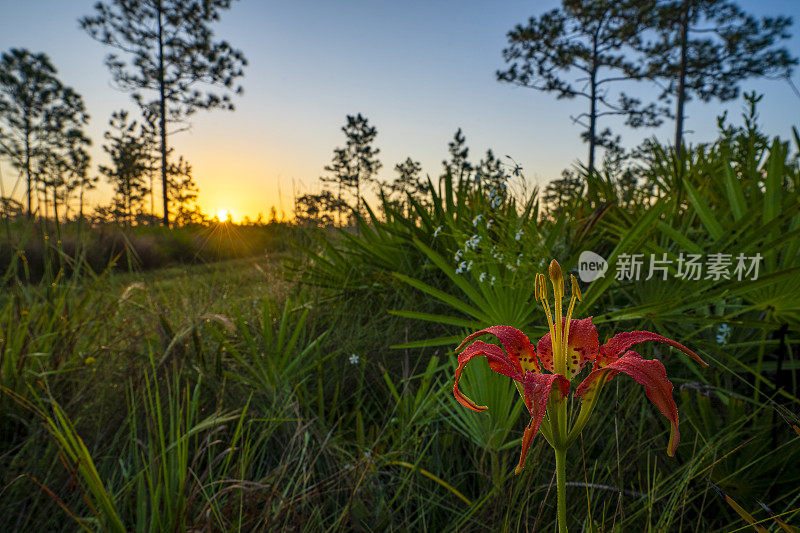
x: 409, y: 182
x: 490, y: 171
x: 706, y: 48
x: 316, y: 209
x: 579, y: 50
x: 172, y: 56
x: 77, y: 164
x: 339, y: 175
x: 183, y: 193
x: 560, y: 192
x: 61, y: 170
x: 127, y: 147
x: 41, y: 120
x: 355, y: 165
x: 457, y: 166
x: 361, y: 155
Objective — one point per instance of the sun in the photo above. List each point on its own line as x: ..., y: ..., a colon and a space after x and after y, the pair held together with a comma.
x: 224, y: 214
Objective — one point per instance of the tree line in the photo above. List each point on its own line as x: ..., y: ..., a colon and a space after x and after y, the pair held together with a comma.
x: 354, y: 169
x: 165, y: 55
x: 588, y: 49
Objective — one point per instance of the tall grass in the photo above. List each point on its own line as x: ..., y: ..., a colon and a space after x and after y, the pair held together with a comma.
x: 33, y: 250
x: 228, y: 398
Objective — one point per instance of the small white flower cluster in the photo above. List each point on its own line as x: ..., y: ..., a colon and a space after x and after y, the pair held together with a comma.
x: 366, y: 456
x: 513, y: 268
x: 437, y: 231
x: 497, y: 193
x: 496, y: 255
x: 723, y: 334
x: 483, y: 277
x: 496, y: 197
x: 353, y: 359
x: 472, y: 242
x: 464, y: 266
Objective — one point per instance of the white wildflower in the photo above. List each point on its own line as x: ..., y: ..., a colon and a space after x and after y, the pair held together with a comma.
x: 472, y: 242
x: 723, y: 334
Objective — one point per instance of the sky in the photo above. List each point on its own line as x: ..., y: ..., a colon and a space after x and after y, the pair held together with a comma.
x: 418, y: 70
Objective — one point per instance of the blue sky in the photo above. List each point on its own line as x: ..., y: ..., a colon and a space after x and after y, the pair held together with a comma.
x: 417, y: 69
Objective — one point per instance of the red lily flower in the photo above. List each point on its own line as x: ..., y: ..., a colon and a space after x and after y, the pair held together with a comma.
x: 614, y: 357
x: 518, y: 362
x: 577, y: 345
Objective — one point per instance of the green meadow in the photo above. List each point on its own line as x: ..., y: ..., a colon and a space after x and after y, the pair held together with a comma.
x: 301, y: 378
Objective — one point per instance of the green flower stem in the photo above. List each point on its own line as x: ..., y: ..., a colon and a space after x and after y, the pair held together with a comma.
x: 558, y: 427
x: 561, y: 488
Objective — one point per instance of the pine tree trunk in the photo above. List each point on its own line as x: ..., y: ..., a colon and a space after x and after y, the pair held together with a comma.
x: 55, y: 205
x: 152, y: 199
x: 593, y: 106
x: 681, y: 85
x: 358, y: 191
x: 592, y: 122
x: 162, y: 119
x: 28, y: 171
x: 339, y: 204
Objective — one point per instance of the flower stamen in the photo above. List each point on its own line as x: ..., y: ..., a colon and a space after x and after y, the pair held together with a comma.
x: 559, y: 340
x: 575, y: 294
x: 540, y: 293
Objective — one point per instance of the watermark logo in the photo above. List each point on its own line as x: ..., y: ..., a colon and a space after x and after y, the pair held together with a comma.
x: 591, y: 266
x: 694, y: 267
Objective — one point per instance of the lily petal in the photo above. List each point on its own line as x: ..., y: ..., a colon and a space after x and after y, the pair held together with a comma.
x: 582, y: 347
x: 647, y: 372
x: 515, y: 343
x: 620, y: 343
x: 498, y: 360
x: 527, y: 438
x: 536, y: 392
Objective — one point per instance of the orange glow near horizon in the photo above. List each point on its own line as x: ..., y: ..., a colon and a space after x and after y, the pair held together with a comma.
x: 238, y: 180
x: 223, y: 214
